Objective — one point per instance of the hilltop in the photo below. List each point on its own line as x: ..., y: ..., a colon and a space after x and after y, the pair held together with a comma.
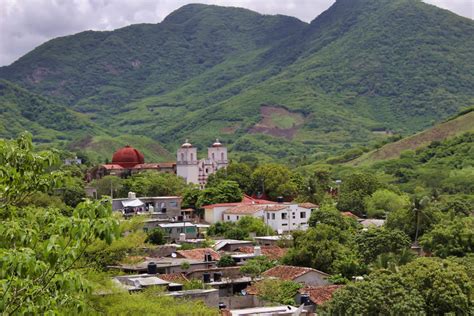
x: 361, y: 67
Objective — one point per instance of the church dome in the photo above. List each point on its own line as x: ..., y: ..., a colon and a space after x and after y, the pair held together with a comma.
x: 186, y: 144
x: 128, y: 157
x: 217, y: 143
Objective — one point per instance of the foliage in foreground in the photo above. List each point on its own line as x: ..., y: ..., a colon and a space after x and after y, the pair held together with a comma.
x: 41, y: 246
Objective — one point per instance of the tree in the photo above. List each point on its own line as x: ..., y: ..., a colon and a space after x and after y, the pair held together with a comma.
x: 156, y: 236
x: 328, y: 214
x: 191, y: 196
x: 278, y: 291
x: 354, y: 190
x: 110, y: 186
x: 40, y: 247
x: 223, y: 192
x: 375, y: 241
x: 383, y: 202
x: 151, y: 183
x: 443, y: 284
x: 235, y: 171
x: 256, y: 266
x: 254, y: 225
x: 450, y: 237
x: 226, y: 261
x: 274, y: 180
x: 381, y: 294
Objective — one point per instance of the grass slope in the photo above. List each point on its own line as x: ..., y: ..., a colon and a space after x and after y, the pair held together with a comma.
x: 454, y: 127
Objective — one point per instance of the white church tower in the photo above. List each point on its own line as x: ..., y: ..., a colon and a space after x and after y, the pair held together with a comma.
x: 187, y: 163
x: 218, y: 154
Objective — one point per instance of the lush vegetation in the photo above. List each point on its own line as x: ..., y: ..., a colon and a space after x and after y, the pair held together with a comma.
x: 206, y: 71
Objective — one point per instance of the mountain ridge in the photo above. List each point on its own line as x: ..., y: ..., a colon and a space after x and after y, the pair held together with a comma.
x: 205, y: 72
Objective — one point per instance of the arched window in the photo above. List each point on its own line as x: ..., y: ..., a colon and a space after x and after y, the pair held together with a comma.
x: 192, y: 156
x: 213, y: 156
x: 182, y: 156
x: 222, y: 156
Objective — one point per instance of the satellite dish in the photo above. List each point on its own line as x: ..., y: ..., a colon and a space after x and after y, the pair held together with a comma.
x: 174, y: 255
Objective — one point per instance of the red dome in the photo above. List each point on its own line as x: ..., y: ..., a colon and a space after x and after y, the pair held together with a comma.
x: 128, y: 157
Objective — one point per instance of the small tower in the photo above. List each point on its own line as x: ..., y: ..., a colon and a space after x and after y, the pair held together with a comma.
x: 187, y: 163
x: 218, y: 154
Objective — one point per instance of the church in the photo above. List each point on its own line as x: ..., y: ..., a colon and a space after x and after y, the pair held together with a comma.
x: 197, y: 171
x: 128, y: 160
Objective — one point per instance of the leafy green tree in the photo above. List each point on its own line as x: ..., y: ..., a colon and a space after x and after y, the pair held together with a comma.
x: 375, y: 241
x: 235, y: 171
x: 110, y: 186
x: 354, y: 189
x: 223, y: 192
x: 256, y: 266
x: 328, y: 214
x: 443, y: 284
x: 383, y: 202
x: 226, y: 261
x: 392, y: 261
x: 190, y: 196
x: 156, y: 236
x: 381, y: 294
x: 254, y: 225
x: 274, y: 180
x: 151, y: 183
x: 278, y: 291
x: 40, y: 247
x: 450, y: 237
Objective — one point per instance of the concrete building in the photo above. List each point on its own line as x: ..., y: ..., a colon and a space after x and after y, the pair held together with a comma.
x: 165, y: 207
x: 195, y: 170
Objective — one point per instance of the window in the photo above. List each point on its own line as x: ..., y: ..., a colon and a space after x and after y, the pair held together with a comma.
x: 303, y: 215
x: 213, y: 156
x: 283, y: 216
x: 222, y: 156
x: 268, y: 215
x: 173, y: 204
x: 293, y: 215
x: 228, y: 217
x: 284, y: 224
x: 192, y: 156
x: 273, y: 215
x: 182, y: 157
x: 237, y: 217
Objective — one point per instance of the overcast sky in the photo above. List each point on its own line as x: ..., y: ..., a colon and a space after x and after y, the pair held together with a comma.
x: 25, y: 24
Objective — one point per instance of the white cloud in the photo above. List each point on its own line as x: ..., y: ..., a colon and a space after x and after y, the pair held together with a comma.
x: 25, y: 24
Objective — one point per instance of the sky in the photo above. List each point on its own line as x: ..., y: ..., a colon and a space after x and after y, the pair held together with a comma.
x: 25, y: 24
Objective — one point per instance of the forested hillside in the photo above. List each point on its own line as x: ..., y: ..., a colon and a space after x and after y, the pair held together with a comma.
x: 270, y: 85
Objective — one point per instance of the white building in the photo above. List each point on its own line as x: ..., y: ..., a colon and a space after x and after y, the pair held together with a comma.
x: 280, y: 217
x: 197, y: 171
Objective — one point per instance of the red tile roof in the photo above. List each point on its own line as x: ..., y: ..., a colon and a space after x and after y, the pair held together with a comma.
x: 112, y: 166
x: 307, y: 205
x: 198, y: 254
x: 174, y: 277
x: 289, y: 272
x: 244, y: 209
x: 349, y: 214
x: 274, y: 208
x: 271, y: 252
x: 320, y: 294
x: 246, y: 200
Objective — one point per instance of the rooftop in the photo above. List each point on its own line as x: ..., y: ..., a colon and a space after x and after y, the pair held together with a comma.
x: 245, y: 209
x: 307, y: 205
x: 290, y: 272
x: 271, y: 252
x: 320, y: 294
x: 198, y: 253
x: 273, y: 310
x: 221, y: 243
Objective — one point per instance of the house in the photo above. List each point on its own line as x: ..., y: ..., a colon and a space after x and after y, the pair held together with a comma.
x: 235, y: 213
x: 165, y: 265
x: 141, y: 281
x: 159, y: 206
x: 304, y: 275
x: 372, y: 222
x: 276, y: 240
x: 231, y: 244
x: 173, y: 231
x: 213, y: 213
x: 271, y: 252
x: 314, y: 296
x: 199, y: 254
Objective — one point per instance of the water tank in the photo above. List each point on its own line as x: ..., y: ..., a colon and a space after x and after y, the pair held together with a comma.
x: 304, y: 299
x: 257, y: 251
x: 132, y: 195
x: 206, y: 277
x: 222, y: 305
x: 152, y: 268
x: 217, y: 276
x: 280, y: 199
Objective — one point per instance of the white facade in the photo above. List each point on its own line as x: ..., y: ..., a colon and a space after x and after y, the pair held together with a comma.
x: 290, y: 218
x: 197, y: 171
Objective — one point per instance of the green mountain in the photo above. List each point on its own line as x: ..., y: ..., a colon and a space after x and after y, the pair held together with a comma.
x: 270, y: 85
